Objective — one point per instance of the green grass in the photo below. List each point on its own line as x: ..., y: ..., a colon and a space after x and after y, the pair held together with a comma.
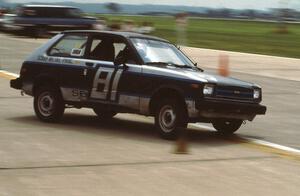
x: 241, y: 36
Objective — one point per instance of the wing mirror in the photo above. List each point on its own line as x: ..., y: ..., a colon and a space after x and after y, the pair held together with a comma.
x: 121, y: 59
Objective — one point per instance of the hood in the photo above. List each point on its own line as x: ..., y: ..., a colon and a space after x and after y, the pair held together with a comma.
x: 219, y: 80
x: 199, y: 76
x: 196, y: 76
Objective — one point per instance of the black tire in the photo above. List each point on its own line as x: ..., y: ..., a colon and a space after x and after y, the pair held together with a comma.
x: 170, y: 116
x: 48, y: 104
x: 104, y: 114
x: 227, y: 126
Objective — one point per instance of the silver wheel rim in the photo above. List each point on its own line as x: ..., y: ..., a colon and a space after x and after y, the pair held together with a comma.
x: 45, y: 104
x: 167, y: 118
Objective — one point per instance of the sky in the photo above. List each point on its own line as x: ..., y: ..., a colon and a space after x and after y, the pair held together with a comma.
x: 235, y: 4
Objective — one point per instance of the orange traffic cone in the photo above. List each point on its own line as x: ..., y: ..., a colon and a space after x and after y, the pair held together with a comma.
x: 182, y: 143
x: 223, y: 65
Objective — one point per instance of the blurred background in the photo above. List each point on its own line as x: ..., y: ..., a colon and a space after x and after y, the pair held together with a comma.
x: 269, y: 27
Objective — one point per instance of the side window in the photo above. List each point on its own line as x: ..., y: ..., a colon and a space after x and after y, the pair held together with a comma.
x: 29, y: 12
x: 70, y: 46
x: 58, y: 13
x: 103, y: 49
x: 95, y: 43
x: 108, y: 49
x: 72, y: 13
x: 118, y: 48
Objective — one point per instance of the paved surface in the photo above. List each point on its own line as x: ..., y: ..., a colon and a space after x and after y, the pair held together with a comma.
x: 124, y: 156
x: 279, y: 78
x: 281, y: 123
x: 261, y: 65
x: 13, y: 51
x: 83, y: 156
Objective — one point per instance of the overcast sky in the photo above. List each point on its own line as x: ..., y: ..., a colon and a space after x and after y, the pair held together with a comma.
x: 236, y: 4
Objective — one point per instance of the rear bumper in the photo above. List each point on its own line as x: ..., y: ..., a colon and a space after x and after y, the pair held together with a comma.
x: 16, y: 83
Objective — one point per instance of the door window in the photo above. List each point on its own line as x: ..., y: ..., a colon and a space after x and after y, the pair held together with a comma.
x: 107, y: 49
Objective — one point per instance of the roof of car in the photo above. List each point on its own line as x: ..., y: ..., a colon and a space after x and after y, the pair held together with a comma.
x: 47, y: 6
x: 120, y: 33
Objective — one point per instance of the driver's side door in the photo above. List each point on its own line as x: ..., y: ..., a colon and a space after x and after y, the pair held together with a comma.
x: 108, y: 82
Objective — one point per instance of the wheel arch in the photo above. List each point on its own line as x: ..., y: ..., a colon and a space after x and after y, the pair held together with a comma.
x: 44, y: 80
x: 166, y: 91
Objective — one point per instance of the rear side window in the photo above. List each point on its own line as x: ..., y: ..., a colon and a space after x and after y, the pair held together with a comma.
x: 70, y: 46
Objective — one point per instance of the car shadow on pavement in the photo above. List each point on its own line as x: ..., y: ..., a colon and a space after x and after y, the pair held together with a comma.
x: 125, y: 128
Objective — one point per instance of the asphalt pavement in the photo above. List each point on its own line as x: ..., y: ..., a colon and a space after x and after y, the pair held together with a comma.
x: 84, y: 156
x: 125, y: 156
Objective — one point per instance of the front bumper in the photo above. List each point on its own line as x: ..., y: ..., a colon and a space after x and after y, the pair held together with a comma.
x: 16, y: 83
x: 229, y: 106
x: 207, y: 109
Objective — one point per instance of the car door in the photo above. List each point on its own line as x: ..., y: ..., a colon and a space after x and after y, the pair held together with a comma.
x: 100, y: 68
x: 109, y: 82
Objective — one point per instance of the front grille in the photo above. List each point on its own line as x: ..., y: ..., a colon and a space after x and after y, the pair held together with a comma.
x: 235, y: 93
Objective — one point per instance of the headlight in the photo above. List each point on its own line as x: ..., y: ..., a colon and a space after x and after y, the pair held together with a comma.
x: 208, y: 89
x: 256, y: 94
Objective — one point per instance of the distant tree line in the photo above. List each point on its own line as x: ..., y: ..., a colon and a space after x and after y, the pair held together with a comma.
x: 272, y: 14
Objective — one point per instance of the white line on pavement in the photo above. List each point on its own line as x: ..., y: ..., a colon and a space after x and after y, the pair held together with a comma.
x: 9, y: 73
x: 276, y: 146
x: 255, y: 141
x: 202, y: 126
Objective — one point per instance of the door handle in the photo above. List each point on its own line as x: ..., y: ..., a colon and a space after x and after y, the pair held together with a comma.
x: 89, y: 64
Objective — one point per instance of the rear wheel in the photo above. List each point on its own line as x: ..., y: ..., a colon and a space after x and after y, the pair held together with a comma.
x: 48, y: 104
x: 169, y: 117
x: 227, y: 126
x: 104, y: 114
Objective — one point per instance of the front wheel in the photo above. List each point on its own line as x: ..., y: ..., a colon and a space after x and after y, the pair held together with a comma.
x: 227, y: 126
x: 169, y: 117
x: 48, y: 104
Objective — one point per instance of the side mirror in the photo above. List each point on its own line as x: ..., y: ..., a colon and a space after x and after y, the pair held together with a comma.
x: 121, y: 59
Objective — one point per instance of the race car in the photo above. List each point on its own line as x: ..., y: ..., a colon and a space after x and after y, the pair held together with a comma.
x: 123, y: 72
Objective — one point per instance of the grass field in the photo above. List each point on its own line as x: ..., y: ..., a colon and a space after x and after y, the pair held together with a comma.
x: 242, y: 36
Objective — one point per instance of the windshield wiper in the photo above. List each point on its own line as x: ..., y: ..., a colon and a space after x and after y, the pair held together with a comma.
x: 168, y: 64
x: 190, y: 67
x: 196, y: 65
x: 174, y: 64
x: 181, y: 66
x: 185, y: 66
x: 157, y: 63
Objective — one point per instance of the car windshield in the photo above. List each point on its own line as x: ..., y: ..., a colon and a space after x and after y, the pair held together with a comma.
x: 161, y: 53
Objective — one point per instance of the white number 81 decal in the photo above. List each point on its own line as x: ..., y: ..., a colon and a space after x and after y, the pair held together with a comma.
x: 102, y: 81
